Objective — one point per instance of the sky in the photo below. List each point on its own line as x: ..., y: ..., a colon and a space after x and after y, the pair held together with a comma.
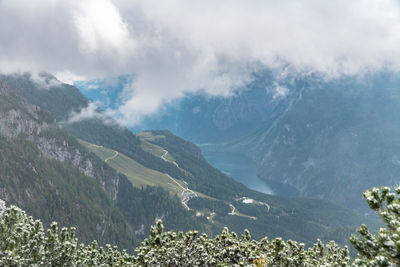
x: 176, y: 47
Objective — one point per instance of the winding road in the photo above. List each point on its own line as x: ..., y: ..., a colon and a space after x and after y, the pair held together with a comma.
x: 249, y: 200
x: 107, y: 159
x: 265, y: 204
x: 186, y: 193
x: 233, y: 212
x: 112, y: 157
x: 170, y: 161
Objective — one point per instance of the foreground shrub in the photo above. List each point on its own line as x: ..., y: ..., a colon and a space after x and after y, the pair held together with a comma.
x: 383, y: 248
x: 23, y: 242
x: 171, y: 249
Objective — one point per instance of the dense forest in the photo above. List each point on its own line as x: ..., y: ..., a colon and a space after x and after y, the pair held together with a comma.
x: 48, y: 173
x: 23, y: 241
x: 66, y: 195
x: 280, y: 217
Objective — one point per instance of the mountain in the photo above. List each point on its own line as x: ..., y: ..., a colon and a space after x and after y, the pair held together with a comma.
x: 142, y: 176
x: 305, y: 136
x: 204, y: 119
x: 49, y: 173
x: 223, y: 202
x: 334, y: 142
x: 211, y: 121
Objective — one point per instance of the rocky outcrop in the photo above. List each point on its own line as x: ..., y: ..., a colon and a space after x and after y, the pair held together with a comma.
x: 23, y: 120
x: 14, y: 122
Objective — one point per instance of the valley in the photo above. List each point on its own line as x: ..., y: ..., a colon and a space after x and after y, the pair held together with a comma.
x: 199, y: 133
x: 244, y: 170
x: 239, y: 167
x: 155, y: 174
x: 134, y: 171
x: 324, y: 139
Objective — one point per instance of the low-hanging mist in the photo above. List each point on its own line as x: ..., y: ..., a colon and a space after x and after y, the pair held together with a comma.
x: 179, y: 47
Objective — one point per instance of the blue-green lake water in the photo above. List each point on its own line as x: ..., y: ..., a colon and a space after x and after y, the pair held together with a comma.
x: 240, y: 168
x: 244, y: 170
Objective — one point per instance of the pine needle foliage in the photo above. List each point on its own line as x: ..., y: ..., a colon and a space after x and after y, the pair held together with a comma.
x: 382, y: 248
x: 24, y: 242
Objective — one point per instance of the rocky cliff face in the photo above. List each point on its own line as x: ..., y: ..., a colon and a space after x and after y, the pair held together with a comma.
x: 19, y: 119
x: 14, y: 123
x: 45, y: 169
x: 31, y: 144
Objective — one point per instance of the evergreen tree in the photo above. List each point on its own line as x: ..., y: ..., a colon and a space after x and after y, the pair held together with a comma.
x: 24, y: 242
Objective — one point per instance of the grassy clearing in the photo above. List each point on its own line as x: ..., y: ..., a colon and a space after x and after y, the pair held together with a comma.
x: 136, y: 173
x: 100, y: 151
x: 152, y: 148
x: 149, y: 136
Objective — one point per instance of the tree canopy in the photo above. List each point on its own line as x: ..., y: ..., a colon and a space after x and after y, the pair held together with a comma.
x: 24, y: 242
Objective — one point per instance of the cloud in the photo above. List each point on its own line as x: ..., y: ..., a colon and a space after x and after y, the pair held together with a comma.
x: 175, y: 47
x: 89, y: 112
x: 279, y: 91
x: 99, y: 26
x: 44, y: 81
x: 68, y: 77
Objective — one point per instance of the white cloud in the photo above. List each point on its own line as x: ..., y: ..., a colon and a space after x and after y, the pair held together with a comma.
x: 279, y: 91
x: 99, y: 24
x: 68, y: 77
x: 89, y: 112
x: 44, y: 81
x: 176, y: 47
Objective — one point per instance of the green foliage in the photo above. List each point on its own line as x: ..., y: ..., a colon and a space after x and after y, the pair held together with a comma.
x: 203, y: 177
x: 104, y: 204
x: 382, y: 248
x: 23, y: 242
x: 227, y: 249
x: 64, y: 194
x: 113, y: 136
x: 58, y: 99
x: 140, y: 206
x: 300, y: 219
x: 138, y: 174
x: 62, y: 99
x: 53, y: 190
x: 217, y: 206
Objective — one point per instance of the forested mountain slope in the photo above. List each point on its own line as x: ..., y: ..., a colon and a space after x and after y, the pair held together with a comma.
x: 220, y: 201
x: 334, y: 142
x: 47, y: 172
x: 326, y: 138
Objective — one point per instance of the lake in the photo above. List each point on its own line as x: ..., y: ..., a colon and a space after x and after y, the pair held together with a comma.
x: 243, y: 170
x: 240, y: 168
